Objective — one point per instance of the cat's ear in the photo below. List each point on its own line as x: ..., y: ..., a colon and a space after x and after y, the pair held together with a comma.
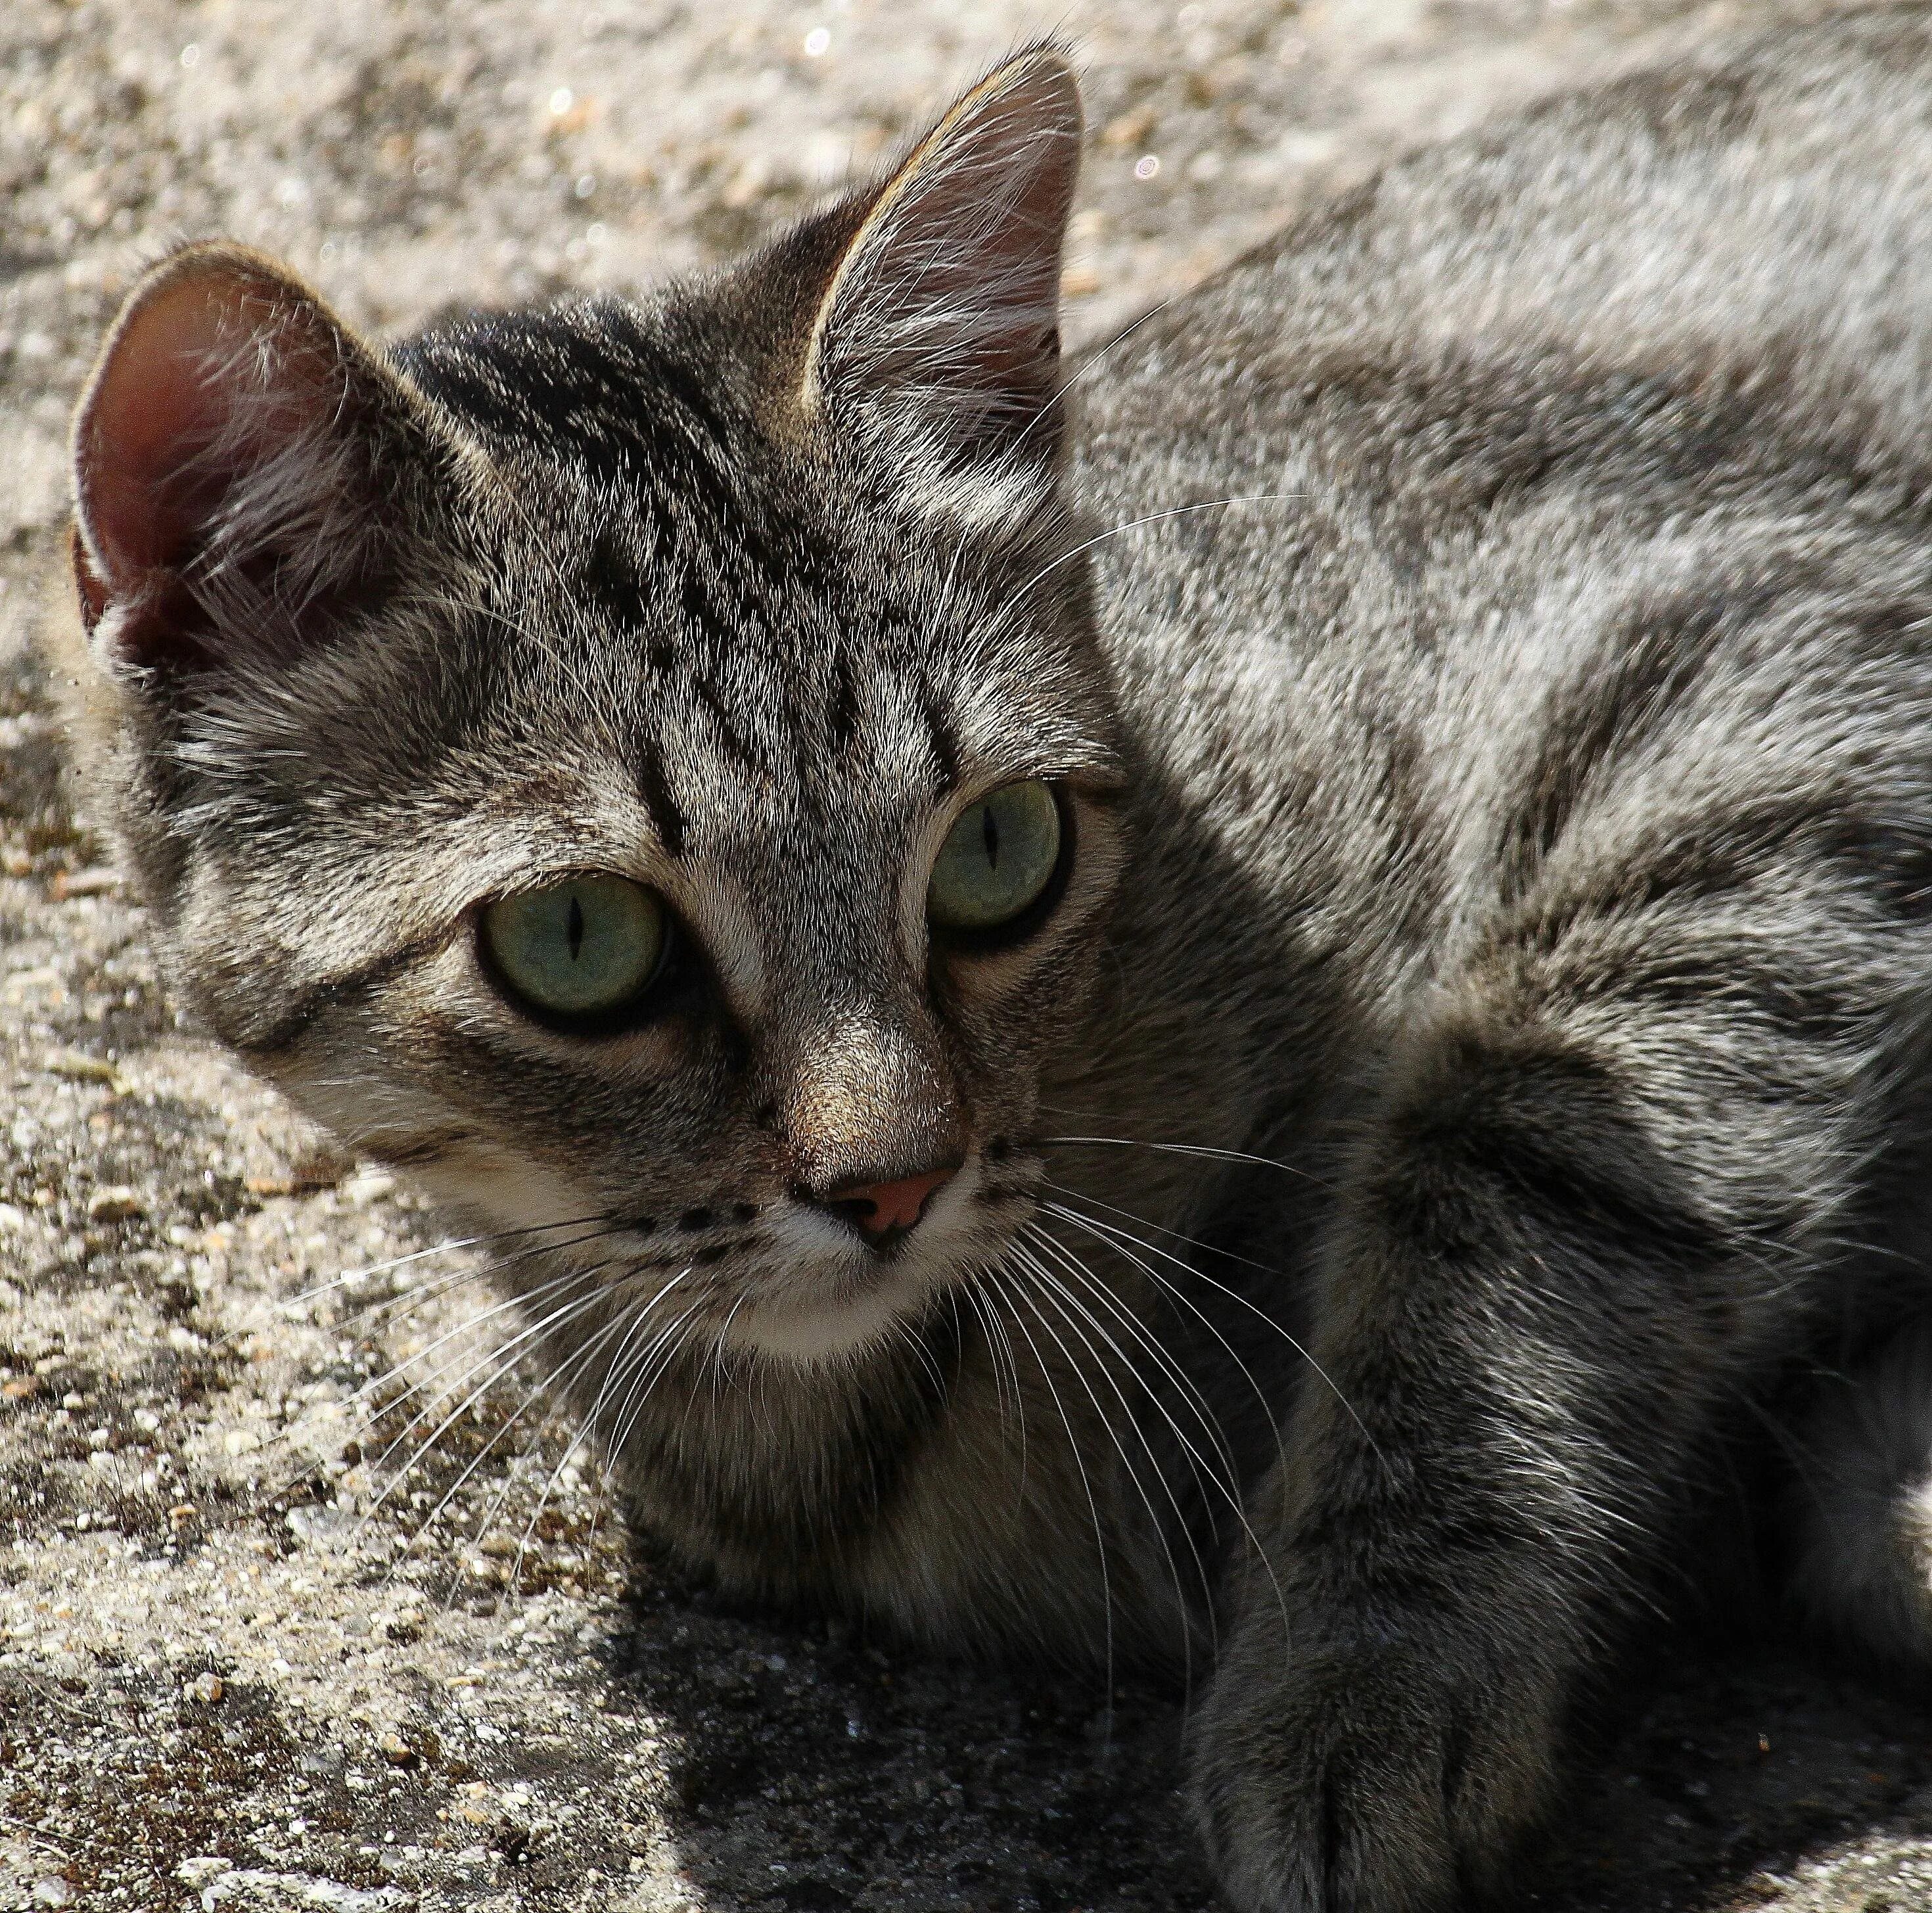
x: 235, y: 463
x: 939, y: 333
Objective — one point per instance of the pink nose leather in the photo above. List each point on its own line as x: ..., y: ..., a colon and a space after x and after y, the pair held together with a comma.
x: 880, y: 1208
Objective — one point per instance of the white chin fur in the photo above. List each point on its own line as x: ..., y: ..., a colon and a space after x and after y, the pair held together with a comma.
x: 844, y: 1299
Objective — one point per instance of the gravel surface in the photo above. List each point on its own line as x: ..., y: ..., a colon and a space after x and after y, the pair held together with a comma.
x: 247, y: 1659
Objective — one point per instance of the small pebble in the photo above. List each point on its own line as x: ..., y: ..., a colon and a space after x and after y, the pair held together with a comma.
x: 96, y: 882
x: 206, y: 1690
x: 117, y: 1204
x: 395, y: 1750
x: 371, y: 1185
x: 52, y: 1891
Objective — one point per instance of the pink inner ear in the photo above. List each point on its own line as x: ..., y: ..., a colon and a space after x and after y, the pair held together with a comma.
x: 157, y: 409
x: 202, y: 450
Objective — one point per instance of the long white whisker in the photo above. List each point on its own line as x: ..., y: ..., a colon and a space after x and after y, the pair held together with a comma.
x: 1204, y: 1149
x: 1110, y: 1230
x: 1191, y: 1392
x: 504, y: 1357
x: 1124, y: 1245
x: 636, y: 1321
x: 349, y: 1278
x: 1241, y: 1514
x: 647, y: 1372
x: 1055, y: 1293
x: 1086, y: 1485
x: 420, y: 1387
x: 546, y: 1386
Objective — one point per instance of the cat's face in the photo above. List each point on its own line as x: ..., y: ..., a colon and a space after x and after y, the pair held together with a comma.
x: 644, y: 770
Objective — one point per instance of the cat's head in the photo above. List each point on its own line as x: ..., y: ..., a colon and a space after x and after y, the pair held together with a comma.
x: 643, y: 767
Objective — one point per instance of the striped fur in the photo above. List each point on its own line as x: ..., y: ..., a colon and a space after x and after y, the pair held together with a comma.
x: 1476, y: 1065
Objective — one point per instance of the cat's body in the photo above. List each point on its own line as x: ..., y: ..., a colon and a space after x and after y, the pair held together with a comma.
x: 1478, y: 648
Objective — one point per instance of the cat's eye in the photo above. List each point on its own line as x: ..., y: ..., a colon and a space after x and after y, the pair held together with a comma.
x: 579, y: 948
x: 998, y: 859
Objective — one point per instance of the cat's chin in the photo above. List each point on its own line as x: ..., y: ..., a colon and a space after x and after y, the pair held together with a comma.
x: 831, y: 1332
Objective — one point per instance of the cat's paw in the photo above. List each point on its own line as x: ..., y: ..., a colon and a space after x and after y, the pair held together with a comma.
x: 1395, y: 1777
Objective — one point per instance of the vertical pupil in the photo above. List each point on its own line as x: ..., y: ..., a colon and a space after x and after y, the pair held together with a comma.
x: 574, y: 929
x: 989, y: 830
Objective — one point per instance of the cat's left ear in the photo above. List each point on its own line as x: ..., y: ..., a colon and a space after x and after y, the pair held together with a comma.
x: 938, y: 337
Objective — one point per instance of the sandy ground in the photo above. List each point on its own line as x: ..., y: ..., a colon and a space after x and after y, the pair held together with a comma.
x: 248, y: 1659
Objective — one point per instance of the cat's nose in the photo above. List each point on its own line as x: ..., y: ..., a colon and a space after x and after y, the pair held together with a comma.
x: 883, y: 1212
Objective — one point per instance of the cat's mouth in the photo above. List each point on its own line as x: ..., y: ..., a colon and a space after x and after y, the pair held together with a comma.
x: 814, y: 1290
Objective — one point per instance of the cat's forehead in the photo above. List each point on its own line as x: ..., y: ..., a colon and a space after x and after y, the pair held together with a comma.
x: 697, y: 613
x: 748, y: 710
x: 760, y: 668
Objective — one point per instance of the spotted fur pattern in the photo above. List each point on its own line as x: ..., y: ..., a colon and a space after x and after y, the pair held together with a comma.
x: 1472, y: 1063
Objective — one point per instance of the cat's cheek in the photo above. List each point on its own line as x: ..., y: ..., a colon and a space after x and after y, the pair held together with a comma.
x: 498, y: 1183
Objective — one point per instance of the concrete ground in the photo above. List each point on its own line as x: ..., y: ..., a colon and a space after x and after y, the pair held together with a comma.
x: 249, y: 1660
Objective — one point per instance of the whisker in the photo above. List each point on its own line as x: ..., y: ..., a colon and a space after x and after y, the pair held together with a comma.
x: 1123, y: 1245
x: 1230, y: 1491
x: 1108, y: 1231
x: 1204, y: 1149
x: 1170, y: 1365
x: 1227, y: 1479
x: 460, y: 1332
x: 642, y: 1379
x: 636, y: 1321
x: 644, y: 1376
x: 1097, y: 358
x: 504, y: 1358
x: 350, y: 1277
x: 1086, y: 1486
x: 1012, y: 1412
x: 1054, y: 1292
x: 363, y: 1395
x: 547, y: 1386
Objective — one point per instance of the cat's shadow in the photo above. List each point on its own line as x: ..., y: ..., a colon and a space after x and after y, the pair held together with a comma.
x: 809, y: 1767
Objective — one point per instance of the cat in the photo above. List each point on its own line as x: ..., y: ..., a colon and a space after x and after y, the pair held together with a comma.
x: 1241, y: 1000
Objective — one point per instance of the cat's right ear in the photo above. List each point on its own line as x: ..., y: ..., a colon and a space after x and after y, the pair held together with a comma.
x: 236, y: 458
x: 938, y: 338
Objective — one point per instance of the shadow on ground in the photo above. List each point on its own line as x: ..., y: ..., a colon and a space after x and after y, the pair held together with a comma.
x: 810, y: 1769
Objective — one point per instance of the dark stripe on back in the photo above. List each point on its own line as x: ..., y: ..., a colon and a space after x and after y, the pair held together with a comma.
x: 1610, y: 711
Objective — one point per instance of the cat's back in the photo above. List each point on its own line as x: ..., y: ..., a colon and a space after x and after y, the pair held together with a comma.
x: 1772, y: 198
x: 1653, y: 357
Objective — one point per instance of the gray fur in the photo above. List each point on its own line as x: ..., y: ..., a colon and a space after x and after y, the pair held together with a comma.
x: 1494, y: 959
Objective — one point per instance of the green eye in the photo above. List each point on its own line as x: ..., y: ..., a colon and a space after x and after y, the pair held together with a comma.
x: 579, y: 948
x: 996, y: 860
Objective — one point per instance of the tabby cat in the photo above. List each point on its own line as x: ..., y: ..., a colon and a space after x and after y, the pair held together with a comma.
x: 1252, y: 993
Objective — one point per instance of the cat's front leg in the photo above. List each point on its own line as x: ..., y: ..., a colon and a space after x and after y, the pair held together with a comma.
x: 1579, y: 1224
x: 1362, y: 1757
